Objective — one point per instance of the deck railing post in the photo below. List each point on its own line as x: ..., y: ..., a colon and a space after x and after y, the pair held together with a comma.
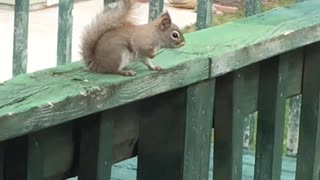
x: 64, y: 47
x: 308, y: 157
x: 96, y: 144
x: 270, y: 124
x: 155, y: 9
x: 20, y: 42
x: 235, y: 93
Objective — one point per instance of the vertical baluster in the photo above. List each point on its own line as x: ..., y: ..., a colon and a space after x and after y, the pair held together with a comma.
x: 64, y: 32
x: 20, y: 42
x: 96, y: 147
x: 204, y: 14
x: 252, y: 7
x: 199, y: 120
x: 24, y: 158
x: 236, y: 94
x: 294, y: 103
x: 155, y: 9
x: 270, y: 124
x: 308, y: 158
x: 176, y: 133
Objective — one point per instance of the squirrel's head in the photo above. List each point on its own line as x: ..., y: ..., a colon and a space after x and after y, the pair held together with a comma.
x: 169, y: 32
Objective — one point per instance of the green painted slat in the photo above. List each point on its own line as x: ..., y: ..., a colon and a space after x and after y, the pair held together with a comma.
x: 308, y: 160
x: 24, y: 158
x: 161, y: 137
x: 271, y: 115
x: 64, y: 32
x: 155, y: 9
x: 96, y: 148
x: 252, y: 7
x: 1, y: 161
x: 230, y: 110
x: 199, y: 117
x: 204, y: 14
x: 20, y: 41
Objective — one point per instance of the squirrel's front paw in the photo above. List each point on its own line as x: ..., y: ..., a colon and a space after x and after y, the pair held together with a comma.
x: 156, y: 68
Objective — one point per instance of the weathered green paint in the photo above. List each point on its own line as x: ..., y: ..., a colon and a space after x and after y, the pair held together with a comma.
x: 199, y: 118
x: 204, y: 14
x: 176, y: 133
x: 161, y: 137
x: 97, y: 136
x: 1, y: 161
x: 308, y: 160
x: 252, y: 7
x: 35, y: 101
x: 295, y: 70
x: 270, y: 124
x: 155, y: 9
x: 82, y: 89
x: 65, y: 32
x: 231, y: 107
x: 20, y: 41
x: 24, y: 158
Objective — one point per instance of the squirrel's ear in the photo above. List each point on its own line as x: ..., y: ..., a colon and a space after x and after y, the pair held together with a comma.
x: 165, y: 20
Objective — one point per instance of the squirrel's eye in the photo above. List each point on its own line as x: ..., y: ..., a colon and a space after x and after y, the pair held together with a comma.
x: 175, y: 35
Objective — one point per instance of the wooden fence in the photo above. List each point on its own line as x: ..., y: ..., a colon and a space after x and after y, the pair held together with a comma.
x: 90, y: 121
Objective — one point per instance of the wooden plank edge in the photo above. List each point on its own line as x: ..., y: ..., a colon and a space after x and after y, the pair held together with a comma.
x: 234, y: 60
x: 183, y: 74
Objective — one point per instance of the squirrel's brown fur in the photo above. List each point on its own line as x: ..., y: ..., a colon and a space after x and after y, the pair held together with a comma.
x: 111, y: 41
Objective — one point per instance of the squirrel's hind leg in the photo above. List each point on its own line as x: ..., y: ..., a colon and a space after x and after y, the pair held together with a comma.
x: 125, y: 60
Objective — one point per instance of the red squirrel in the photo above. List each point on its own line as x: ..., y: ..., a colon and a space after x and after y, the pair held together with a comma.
x: 111, y: 41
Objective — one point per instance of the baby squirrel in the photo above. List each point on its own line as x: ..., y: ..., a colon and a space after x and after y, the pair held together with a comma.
x: 111, y: 41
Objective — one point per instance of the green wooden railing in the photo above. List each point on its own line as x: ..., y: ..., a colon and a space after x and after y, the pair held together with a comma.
x: 64, y: 122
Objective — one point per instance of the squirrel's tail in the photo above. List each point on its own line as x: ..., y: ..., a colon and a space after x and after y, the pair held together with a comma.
x: 105, y: 21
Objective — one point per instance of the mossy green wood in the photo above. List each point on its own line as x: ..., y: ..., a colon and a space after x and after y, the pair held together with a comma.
x: 308, y: 160
x: 64, y: 32
x: 232, y: 104
x: 199, y: 120
x: 20, y: 41
x: 271, y: 114
x: 155, y: 9
x: 199, y: 114
x: 1, y: 161
x: 57, y: 95
x: 24, y: 158
x: 96, y: 143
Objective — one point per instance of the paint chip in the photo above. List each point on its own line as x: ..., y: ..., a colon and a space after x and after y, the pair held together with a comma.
x: 288, y: 32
